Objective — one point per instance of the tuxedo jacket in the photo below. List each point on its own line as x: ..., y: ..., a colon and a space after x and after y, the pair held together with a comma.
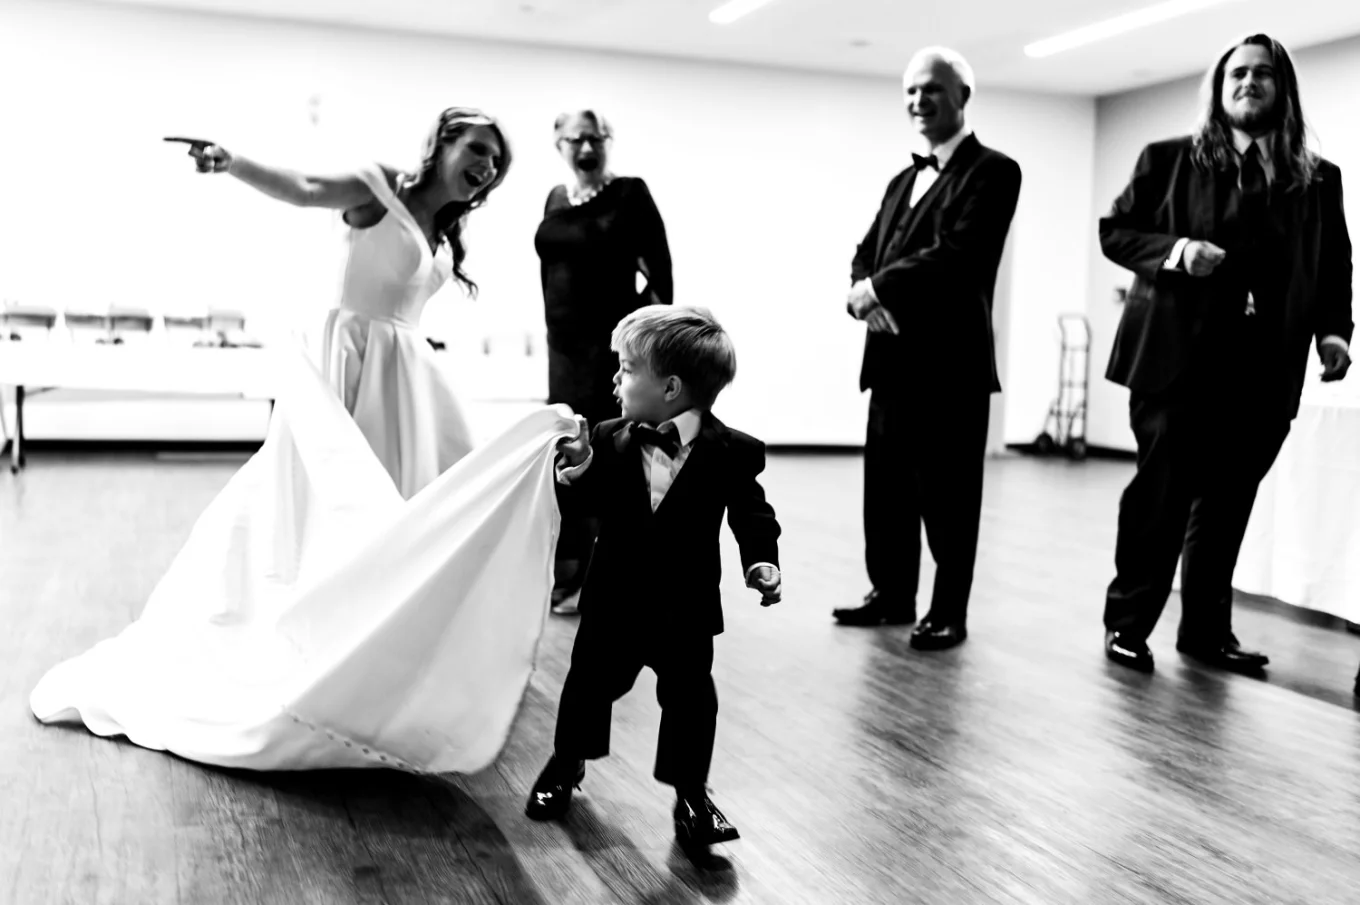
x: 934, y: 266
x: 1164, y: 318
x: 659, y: 571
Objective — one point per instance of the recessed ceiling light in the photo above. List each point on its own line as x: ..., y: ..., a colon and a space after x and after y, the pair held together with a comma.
x: 733, y: 10
x: 859, y: 42
x: 1119, y: 25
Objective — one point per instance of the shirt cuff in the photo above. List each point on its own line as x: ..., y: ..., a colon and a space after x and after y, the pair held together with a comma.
x: 757, y: 565
x: 1173, y: 260
x: 568, y: 474
x: 869, y: 288
x: 1336, y: 341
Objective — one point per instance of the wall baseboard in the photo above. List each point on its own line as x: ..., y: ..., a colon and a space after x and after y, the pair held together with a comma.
x: 846, y: 449
x: 1092, y: 452
x: 814, y: 449
x: 38, y: 447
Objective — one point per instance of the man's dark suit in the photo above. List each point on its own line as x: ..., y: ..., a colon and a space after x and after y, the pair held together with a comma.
x: 934, y: 268
x: 1213, y: 389
x: 651, y: 596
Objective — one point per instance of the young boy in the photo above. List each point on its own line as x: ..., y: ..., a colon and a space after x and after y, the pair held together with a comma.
x: 659, y: 480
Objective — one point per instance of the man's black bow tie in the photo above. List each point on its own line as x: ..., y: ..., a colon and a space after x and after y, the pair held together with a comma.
x: 921, y: 163
x: 666, y: 439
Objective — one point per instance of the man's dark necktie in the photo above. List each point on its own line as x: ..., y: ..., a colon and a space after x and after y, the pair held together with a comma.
x: 665, y: 439
x: 1255, y: 214
x: 1254, y: 192
x: 921, y: 163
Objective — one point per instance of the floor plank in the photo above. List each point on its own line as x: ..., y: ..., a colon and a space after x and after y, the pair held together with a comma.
x: 1021, y: 767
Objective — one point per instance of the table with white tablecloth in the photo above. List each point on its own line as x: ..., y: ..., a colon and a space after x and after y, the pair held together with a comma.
x: 150, y: 367
x: 1303, y: 542
x: 499, y: 386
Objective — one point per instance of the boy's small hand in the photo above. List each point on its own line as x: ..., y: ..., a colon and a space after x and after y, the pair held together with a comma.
x: 766, y: 580
x: 577, y: 449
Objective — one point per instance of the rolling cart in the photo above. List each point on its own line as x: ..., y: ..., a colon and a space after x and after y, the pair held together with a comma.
x: 1065, y: 426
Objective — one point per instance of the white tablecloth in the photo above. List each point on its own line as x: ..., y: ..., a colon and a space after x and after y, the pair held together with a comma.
x: 1303, y: 542
x: 149, y: 367
x: 498, y: 389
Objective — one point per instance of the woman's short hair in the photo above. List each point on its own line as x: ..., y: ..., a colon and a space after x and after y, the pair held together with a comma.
x: 599, y: 122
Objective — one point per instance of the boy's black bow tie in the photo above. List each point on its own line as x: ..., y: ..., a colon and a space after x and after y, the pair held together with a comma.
x: 921, y: 163
x: 666, y: 439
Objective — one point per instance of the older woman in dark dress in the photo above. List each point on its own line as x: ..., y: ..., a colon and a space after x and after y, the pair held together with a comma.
x: 599, y: 232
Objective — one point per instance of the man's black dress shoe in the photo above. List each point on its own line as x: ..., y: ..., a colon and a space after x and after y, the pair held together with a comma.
x: 931, y: 635
x: 551, y: 795
x: 1225, y: 655
x: 1126, y: 651
x: 699, y: 822
x: 878, y: 609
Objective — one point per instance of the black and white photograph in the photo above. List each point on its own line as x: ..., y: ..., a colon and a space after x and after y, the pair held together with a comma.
x: 635, y: 452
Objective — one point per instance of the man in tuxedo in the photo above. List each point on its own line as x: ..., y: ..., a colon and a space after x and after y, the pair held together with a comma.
x: 1237, y: 240
x: 922, y: 282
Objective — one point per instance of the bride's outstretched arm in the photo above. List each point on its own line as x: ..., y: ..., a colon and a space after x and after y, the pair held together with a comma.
x: 340, y: 192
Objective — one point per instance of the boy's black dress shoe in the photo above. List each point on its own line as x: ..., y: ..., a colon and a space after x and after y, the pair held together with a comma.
x: 878, y: 609
x: 1224, y: 654
x: 1131, y: 652
x: 551, y: 795
x: 932, y: 635
x: 699, y: 822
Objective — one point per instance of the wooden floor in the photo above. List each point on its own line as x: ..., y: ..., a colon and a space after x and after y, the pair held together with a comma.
x: 1021, y: 767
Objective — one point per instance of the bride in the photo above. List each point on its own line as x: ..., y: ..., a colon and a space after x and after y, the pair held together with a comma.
x: 368, y: 590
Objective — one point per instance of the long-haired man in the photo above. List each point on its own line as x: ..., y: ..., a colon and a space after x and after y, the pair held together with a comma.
x: 1237, y: 240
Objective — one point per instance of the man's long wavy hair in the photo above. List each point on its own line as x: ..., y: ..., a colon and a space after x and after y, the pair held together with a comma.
x: 452, y: 217
x: 1213, y: 143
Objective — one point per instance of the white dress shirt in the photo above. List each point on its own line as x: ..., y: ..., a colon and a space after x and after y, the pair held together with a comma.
x: 926, y: 177
x: 658, y: 468
x: 1241, y: 142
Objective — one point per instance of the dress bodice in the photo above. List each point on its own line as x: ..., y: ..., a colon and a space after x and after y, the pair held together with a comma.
x: 590, y: 256
x: 390, y: 272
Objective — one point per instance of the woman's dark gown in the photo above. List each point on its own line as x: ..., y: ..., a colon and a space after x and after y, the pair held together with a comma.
x: 590, y: 257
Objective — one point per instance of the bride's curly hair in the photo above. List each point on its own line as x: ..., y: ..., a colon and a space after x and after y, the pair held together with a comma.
x: 452, y: 217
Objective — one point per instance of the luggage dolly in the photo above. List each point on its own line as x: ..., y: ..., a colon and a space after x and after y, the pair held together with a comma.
x: 1065, y: 426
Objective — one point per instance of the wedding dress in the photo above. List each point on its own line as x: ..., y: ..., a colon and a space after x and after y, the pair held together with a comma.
x: 369, y: 589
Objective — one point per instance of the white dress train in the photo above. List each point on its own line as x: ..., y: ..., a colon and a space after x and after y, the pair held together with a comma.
x: 369, y: 589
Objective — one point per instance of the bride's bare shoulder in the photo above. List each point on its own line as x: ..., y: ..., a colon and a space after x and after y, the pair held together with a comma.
x: 371, y: 211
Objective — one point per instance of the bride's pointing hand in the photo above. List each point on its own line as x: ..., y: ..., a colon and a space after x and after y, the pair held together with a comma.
x: 208, y: 157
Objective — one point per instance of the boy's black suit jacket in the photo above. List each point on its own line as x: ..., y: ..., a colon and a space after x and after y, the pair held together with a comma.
x: 660, y: 571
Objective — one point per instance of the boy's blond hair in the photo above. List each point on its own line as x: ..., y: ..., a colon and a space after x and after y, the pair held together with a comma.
x: 688, y: 343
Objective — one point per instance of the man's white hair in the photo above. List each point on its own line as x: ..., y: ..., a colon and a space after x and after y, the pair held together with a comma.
x: 951, y: 58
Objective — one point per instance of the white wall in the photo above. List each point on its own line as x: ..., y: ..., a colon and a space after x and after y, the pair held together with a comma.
x: 766, y: 178
x: 1126, y: 122
x: 1053, y: 139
